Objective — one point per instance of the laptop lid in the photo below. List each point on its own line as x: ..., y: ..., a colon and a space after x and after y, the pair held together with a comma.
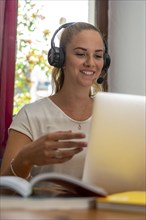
x: 116, y: 155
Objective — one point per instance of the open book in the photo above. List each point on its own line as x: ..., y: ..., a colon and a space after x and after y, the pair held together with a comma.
x: 51, y: 185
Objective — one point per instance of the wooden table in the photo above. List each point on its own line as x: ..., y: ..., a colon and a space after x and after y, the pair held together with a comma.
x: 84, y: 214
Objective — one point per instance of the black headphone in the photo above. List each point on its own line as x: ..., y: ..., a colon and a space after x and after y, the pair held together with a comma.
x: 56, y: 55
x: 106, y: 65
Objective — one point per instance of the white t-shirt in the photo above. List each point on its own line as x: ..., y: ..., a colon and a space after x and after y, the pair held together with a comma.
x: 44, y: 116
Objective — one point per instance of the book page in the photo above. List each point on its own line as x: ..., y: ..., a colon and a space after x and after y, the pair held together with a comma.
x: 17, y: 184
x: 68, y: 184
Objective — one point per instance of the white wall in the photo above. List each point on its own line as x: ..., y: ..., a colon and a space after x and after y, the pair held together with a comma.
x: 91, y: 11
x: 127, y: 47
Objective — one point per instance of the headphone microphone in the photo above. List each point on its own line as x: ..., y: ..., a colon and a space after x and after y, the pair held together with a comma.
x: 100, y: 80
x: 56, y: 55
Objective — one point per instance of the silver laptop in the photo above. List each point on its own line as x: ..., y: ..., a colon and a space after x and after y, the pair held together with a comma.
x: 116, y: 157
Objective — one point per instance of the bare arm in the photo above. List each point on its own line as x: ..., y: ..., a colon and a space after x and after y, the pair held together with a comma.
x: 27, y: 153
x: 15, y: 145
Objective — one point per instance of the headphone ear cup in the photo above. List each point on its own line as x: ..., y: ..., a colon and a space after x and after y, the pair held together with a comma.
x: 107, y: 61
x: 56, y: 57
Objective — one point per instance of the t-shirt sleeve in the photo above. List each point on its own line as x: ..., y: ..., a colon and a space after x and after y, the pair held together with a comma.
x: 21, y: 122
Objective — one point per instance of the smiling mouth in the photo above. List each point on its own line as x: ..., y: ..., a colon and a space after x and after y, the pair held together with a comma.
x: 88, y: 73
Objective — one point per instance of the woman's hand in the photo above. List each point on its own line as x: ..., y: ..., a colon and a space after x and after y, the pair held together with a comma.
x: 57, y: 147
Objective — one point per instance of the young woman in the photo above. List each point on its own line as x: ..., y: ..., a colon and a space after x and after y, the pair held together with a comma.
x: 51, y: 134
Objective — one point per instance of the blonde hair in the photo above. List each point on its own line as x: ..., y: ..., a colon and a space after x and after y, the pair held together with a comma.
x: 66, y: 37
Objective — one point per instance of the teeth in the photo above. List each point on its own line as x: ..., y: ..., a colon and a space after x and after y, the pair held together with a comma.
x: 88, y: 73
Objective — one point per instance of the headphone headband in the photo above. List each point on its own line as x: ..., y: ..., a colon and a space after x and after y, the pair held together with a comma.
x: 62, y: 26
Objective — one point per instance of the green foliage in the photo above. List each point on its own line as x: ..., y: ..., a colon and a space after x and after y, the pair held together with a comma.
x: 30, y: 43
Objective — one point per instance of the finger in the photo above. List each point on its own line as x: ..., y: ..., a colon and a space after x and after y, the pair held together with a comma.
x: 60, y: 156
x: 69, y: 131
x: 64, y: 145
x: 70, y: 152
x: 65, y: 135
x: 72, y: 144
x: 61, y: 160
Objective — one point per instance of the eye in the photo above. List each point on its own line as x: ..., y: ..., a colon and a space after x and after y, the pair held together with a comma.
x: 81, y: 54
x: 98, y: 56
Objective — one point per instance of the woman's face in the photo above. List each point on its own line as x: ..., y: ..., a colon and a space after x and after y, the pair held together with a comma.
x: 84, y: 58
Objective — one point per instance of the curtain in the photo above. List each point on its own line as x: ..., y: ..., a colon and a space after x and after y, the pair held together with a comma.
x: 8, y: 24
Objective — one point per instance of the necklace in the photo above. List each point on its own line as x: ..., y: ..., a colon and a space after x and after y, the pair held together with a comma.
x: 79, y: 126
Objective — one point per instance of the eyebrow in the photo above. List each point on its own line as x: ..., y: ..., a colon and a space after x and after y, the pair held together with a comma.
x: 81, y: 48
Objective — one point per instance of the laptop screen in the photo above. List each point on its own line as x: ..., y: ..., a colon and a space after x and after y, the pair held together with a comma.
x: 116, y: 155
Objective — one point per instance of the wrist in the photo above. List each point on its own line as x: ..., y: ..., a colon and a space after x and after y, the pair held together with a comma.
x: 14, y: 173
x: 20, y: 166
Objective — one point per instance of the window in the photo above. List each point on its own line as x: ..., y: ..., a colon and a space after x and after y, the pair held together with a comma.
x: 37, y: 21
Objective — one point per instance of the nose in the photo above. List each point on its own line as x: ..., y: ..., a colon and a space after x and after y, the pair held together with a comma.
x: 89, y: 62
